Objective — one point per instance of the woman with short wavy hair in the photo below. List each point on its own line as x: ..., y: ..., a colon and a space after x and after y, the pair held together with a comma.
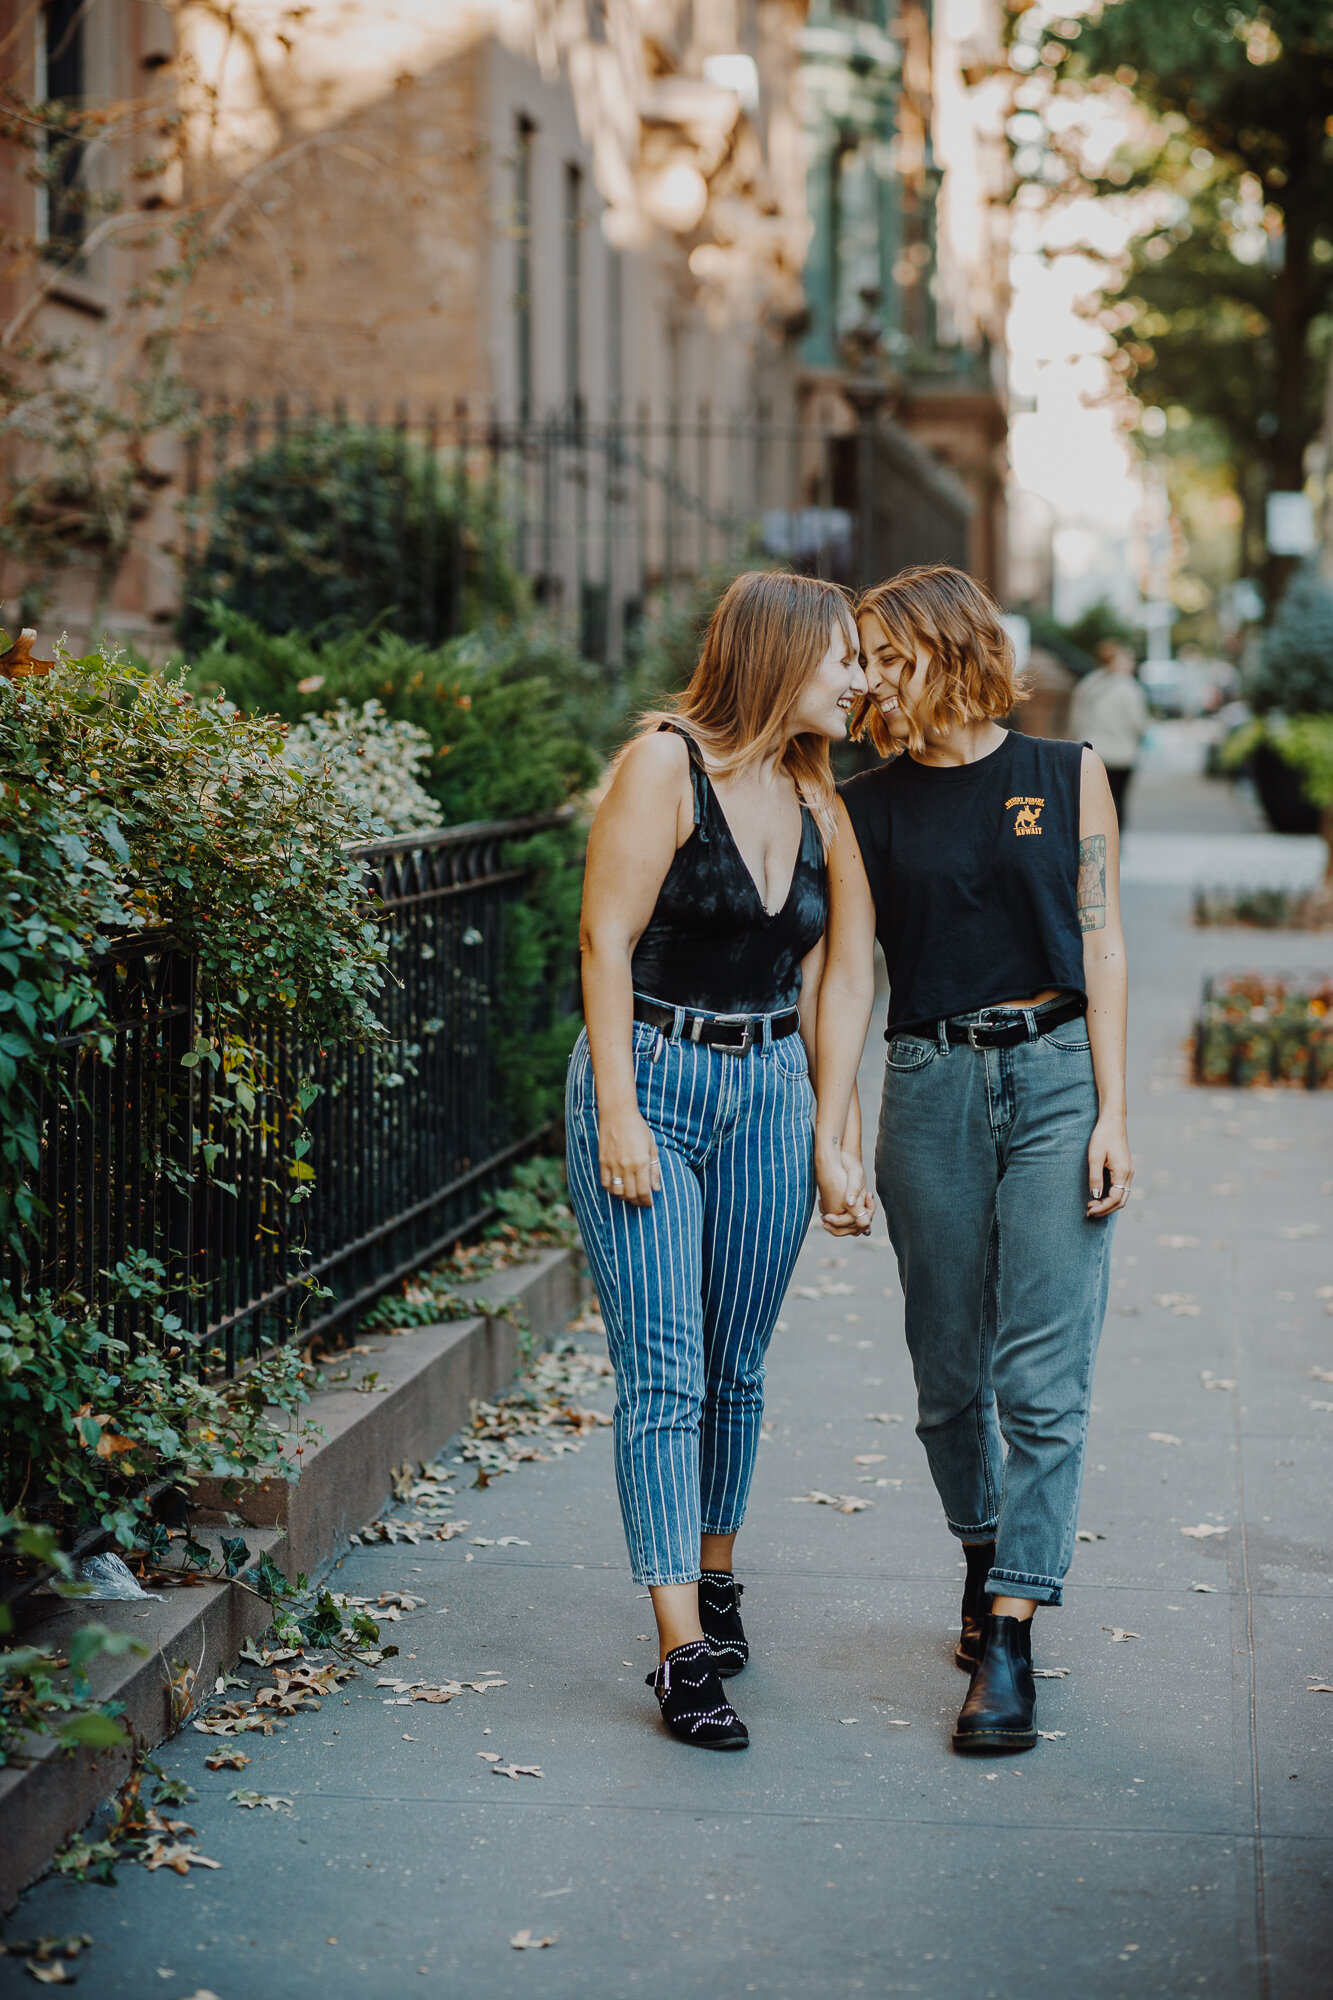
x: 986, y: 862
x: 689, y: 1108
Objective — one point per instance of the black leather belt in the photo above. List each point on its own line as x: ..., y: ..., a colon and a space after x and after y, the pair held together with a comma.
x: 1005, y: 1027
x: 737, y: 1033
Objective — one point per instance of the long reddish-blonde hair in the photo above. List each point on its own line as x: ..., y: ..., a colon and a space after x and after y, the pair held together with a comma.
x: 767, y: 636
x: 972, y: 673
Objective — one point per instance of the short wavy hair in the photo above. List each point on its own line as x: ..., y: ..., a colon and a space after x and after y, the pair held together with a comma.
x: 973, y: 674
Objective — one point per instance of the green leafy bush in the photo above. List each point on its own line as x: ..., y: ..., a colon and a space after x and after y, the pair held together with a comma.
x: 126, y: 805
x: 336, y: 524
x: 91, y: 1423
x: 375, y: 761
x: 1294, y: 672
x: 518, y: 725
x: 515, y: 720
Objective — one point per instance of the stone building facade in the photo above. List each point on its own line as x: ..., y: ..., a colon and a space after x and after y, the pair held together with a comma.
x: 691, y: 223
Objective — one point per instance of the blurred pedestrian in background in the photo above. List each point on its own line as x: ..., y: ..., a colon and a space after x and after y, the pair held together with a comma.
x: 1110, y: 711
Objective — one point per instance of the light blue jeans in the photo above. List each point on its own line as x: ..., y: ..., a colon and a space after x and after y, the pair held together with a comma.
x: 690, y: 1288
x: 982, y: 1168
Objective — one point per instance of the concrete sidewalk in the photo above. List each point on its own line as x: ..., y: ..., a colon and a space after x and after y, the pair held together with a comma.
x: 1172, y: 1835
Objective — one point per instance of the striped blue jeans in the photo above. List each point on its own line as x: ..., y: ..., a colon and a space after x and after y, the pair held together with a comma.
x: 690, y: 1288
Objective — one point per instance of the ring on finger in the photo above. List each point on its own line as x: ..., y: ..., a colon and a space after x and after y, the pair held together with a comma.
x: 616, y: 1181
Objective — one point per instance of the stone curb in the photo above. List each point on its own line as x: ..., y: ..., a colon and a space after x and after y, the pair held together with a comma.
x: 426, y: 1381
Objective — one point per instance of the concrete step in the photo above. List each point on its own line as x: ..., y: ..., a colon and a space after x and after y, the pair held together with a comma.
x: 426, y: 1381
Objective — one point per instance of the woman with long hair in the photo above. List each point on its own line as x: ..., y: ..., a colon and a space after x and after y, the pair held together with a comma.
x: 987, y: 863
x: 689, y: 1107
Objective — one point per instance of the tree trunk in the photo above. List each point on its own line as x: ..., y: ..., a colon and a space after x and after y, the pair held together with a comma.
x: 1294, y: 306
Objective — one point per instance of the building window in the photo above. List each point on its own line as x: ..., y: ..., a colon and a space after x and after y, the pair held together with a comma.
x: 60, y: 82
x: 526, y: 132
x: 573, y: 287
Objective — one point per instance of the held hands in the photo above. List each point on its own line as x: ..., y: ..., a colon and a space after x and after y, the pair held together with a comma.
x: 1110, y: 1167
x: 845, y: 1203
x: 630, y: 1168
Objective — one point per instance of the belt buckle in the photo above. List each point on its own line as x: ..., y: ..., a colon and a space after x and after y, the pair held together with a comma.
x: 745, y: 1022
x: 986, y: 1026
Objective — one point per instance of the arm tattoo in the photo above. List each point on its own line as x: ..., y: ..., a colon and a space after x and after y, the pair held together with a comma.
x: 1092, y: 883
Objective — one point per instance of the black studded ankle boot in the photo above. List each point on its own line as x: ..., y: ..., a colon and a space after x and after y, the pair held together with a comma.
x: 980, y: 1556
x: 693, y: 1705
x: 720, y: 1616
x: 1001, y: 1702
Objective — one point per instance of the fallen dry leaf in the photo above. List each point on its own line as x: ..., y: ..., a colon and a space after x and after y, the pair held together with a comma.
x: 869, y: 1458
x: 1211, y: 1381
x: 1204, y: 1531
x: 1088, y: 1535
x: 273, y: 1800
x: 882, y: 1417
x: 1163, y: 1437
x: 846, y: 1503
x: 493, y: 1756
x: 894, y: 1722
x: 1320, y: 1687
x: 1118, y: 1634
x: 524, y: 1940
x: 1052, y: 1735
x: 1322, y: 1374
x: 1321, y: 1406
x: 178, y: 1855
x: 1050, y: 1673
x: 517, y: 1771
x: 49, y: 1972
x: 41, y: 1951
x: 1205, y: 1589
x: 226, y: 1760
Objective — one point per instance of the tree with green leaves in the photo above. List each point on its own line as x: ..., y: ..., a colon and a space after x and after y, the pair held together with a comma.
x: 1225, y: 306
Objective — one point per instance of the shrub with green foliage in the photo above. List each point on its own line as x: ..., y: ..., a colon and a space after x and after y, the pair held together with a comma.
x: 126, y: 805
x: 1291, y: 688
x: 91, y: 1422
x: 517, y: 724
x: 338, y: 524
x: 515, y: 720
x: 1294, y: 672
x: 375, y: 761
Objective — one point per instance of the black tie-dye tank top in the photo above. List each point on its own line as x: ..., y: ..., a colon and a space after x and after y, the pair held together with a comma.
x: 710, y: 944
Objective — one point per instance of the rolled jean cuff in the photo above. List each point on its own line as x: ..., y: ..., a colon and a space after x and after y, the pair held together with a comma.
x: 1013, y: 1583
x: 662, y: 1582
x: 984, y: 1531
x: 723, y: 1528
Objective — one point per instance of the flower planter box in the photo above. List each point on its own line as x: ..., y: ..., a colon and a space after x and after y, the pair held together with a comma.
x: 1265, y: 1029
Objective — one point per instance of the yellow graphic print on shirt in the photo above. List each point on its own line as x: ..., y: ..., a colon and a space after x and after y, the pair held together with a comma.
x: 1029, y: 812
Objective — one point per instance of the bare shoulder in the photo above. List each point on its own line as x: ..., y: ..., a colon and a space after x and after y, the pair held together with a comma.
x: 659, y: 760
x: 650, y: 786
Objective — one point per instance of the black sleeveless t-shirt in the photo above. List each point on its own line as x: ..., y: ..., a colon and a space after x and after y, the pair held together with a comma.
x: 710, y: 944
x: 974, y: 872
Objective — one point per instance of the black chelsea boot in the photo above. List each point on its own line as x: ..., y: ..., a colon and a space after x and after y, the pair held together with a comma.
x: 999, y: 1713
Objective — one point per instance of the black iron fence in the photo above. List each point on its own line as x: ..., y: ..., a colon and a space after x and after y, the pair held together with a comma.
x: 432, y: 520
x: 271, y: 1222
